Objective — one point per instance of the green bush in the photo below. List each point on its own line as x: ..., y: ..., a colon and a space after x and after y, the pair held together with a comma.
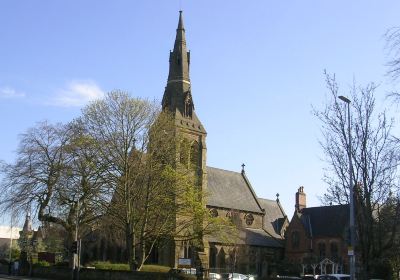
x: 62, y: 264
x: 42, y: 263
x: 155, y: 268
x: 123, y: 266
x: 109, y: 265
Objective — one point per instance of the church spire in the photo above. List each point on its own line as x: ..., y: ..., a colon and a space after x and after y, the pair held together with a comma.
x: 178, y: 93
x: 180, y: 31
x: 28, y: 223
x: 179, y: 59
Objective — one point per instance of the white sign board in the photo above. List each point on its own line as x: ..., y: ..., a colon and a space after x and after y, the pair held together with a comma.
x: 184, y: 262
x: 350, y: 252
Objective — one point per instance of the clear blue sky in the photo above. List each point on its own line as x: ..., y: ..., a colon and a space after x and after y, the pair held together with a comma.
x: 257, y: 67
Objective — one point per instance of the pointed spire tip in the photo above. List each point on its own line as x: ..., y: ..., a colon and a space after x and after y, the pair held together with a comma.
x: 180, y: 23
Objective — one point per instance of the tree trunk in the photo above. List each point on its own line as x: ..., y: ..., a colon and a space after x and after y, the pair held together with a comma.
x: 71, y: 238
x: 130, y: 247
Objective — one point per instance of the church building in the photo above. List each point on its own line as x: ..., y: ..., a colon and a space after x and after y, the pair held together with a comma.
x: 318, y: 237
x: 261, y: 222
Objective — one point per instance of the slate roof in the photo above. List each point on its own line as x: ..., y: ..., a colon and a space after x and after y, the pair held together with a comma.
x: 274, y: 218
x: 231, y: 190
x: 325, y: 220
x: 258, y: 237
x: 252, y: 237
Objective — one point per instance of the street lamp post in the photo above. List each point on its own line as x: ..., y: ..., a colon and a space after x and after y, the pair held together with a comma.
x: 76, y: 247
x: 351, y: 186
x: 11, y: 235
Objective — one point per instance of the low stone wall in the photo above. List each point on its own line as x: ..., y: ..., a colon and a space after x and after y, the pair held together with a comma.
x: 54, y: 272
x: 3, y: 269
x: 63, y: 273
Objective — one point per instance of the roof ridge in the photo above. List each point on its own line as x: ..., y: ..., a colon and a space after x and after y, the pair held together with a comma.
x: 325, y: 206
x: 271, y: 235
x: 281, y: 208
x: 252, y: 191
x: 267, y: 199
x: 224, y: 169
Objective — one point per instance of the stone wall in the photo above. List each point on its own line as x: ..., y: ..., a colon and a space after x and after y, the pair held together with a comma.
x: 240, y: 220
x: 3, y: 269
x: 63, y: 273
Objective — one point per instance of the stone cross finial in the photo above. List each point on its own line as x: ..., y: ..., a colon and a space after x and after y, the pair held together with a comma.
x: 277, y: 197
x: 243, y: 165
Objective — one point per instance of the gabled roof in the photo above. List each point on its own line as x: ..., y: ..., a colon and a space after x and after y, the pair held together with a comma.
x: 231, y: 190
x: 258, y: 237
x: 275, y: 218
x: 325, y: 220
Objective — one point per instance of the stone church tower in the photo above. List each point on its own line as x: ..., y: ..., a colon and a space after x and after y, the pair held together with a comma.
x: 178, y: 100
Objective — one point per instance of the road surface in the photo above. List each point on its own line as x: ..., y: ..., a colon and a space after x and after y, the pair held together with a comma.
x: 7, y: 277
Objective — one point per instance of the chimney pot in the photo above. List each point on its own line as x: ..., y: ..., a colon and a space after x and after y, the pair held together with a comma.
x: 300, y: 199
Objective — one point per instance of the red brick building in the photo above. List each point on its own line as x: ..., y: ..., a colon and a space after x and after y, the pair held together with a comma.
x: 317, y: 237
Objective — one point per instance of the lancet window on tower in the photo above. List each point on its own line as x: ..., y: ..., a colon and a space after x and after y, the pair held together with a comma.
x: 194, y: 155
x: 188, y: 109
x: 184, y: 152
x: 189, y: 154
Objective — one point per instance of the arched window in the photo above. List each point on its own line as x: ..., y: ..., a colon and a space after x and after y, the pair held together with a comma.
x: 334, y: 251
x: 188, y: 109
x: 234, y: 217
x: 249, y: 219
x: 322, y: 250
x: 186, y: 250
x: 214, y: 213
x: 213, y: 257
x: 184, y: 152
x: 194, y: 155
x: 295, y: 239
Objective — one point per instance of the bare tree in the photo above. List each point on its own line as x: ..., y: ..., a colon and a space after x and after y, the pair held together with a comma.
x: 119, y: 125
x: 375, y: 159
x: 37, y: 169
x: 55, y: 172
x: 117, y: 162
x: 155, y: 198
x: 393, y: 45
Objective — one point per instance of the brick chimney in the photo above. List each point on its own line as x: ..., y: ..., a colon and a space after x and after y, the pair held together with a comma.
x: 300, y: 199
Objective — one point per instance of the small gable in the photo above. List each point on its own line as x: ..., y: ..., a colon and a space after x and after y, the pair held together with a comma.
x: 275, y: 220
x: 228, y: 189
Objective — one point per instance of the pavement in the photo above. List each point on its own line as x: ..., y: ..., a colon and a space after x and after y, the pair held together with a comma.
x: 5, y: 276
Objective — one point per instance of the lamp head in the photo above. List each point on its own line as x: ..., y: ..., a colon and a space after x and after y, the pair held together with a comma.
x: 344, y: 99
